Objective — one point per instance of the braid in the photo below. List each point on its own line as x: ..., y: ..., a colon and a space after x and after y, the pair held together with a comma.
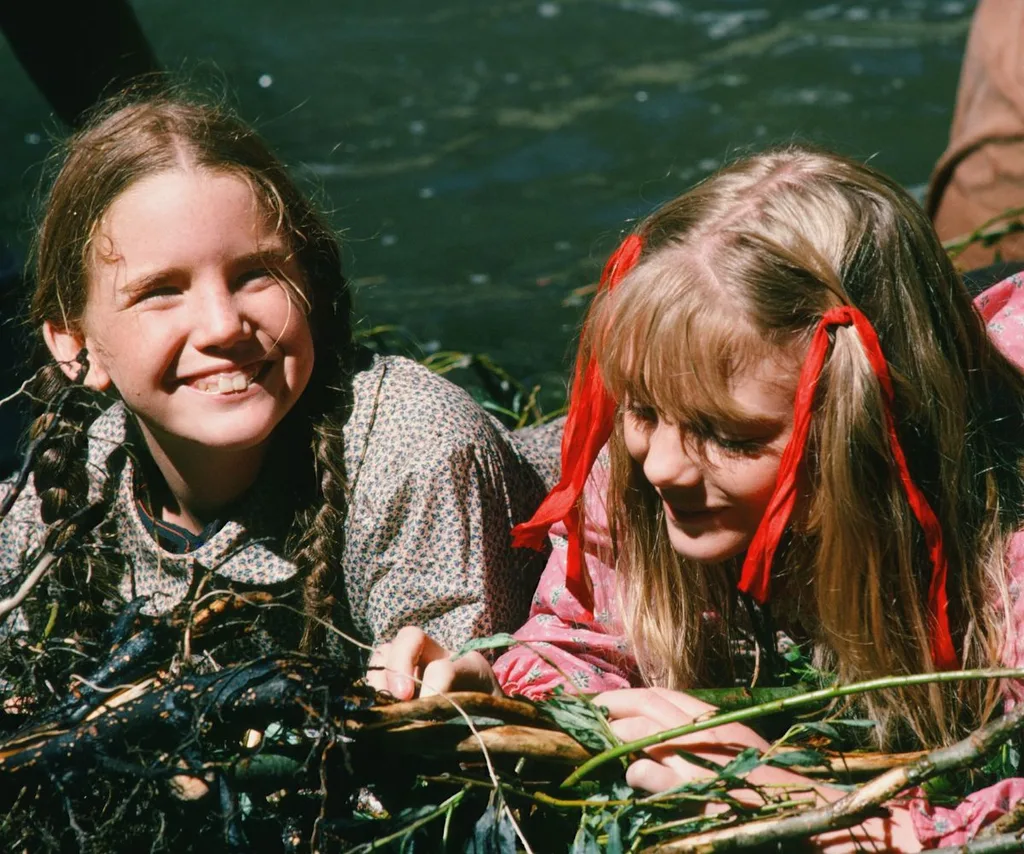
x: 317, y: 537
x: 80, y: 580
x: 322, y: 542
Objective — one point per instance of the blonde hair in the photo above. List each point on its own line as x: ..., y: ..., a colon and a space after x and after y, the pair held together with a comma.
x: 741, y: 269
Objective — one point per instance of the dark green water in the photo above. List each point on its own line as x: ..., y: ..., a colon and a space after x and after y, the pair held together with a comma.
x: 482, y: 158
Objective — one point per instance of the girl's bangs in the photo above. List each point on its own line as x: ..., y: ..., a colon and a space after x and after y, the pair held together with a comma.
x: 673, y: 341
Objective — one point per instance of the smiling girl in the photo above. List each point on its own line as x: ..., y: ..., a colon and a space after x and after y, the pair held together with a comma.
x: 810, y: 431
x: 204, y: 393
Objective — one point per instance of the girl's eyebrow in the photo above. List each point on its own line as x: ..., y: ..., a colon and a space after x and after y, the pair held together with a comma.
x: 267, y: 257
x: 751, y: 423
x: 144, y: 283
x: 276, y: 257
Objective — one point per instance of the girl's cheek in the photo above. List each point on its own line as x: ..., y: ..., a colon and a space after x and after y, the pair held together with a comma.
x: 634, y: 439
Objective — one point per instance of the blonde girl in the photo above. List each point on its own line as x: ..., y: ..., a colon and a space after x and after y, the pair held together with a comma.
x: 203, y: 400
x: 809, y: 431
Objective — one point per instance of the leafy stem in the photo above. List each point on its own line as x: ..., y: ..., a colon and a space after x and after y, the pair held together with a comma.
x: 783, y: 704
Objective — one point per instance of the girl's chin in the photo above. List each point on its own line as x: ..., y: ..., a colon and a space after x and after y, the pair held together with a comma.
x: 216, y: 433
x: 708, y: 548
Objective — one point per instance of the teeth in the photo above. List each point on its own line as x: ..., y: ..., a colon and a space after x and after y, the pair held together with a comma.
x: 223, y: 383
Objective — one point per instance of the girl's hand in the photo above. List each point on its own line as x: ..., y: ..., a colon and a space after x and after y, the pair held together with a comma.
x: 413, y: 653
x: 638, y: 712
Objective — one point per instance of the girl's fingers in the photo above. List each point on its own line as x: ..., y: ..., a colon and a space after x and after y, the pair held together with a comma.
x: 376, y: 677
x: 439, y: 677
x: 397, y: 666
x: 668, y: 709
x: 630, y: 729
x: 686, y: 703
x: 410, y: 651
x: 470, y: 672
x: 654, y: 776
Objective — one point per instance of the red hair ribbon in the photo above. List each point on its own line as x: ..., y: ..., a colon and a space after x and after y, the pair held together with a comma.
x: 756, y: 575
x: 587, y: 428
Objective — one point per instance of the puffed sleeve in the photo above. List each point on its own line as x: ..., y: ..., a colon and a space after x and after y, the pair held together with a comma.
x: 437, y: 488
x: 444, y: 560
x: 564, y: 644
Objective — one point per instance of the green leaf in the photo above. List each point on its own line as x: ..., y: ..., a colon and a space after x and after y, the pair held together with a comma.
x: 498, y: 641
x: 808, y: 758
x: 577, y: 718
x: 493, y: 833
x: 744, y: 763
x: 613, y: 844
x: 730, y: 699
x: 820, y: 727
x: 585, y: 843
x: 863, y: 723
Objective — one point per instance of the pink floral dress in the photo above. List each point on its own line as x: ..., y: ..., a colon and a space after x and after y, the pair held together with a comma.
x: 564, y: 646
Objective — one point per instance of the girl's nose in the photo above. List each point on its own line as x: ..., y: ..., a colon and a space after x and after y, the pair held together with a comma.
x: 670, y: 461
x: 218, y: 319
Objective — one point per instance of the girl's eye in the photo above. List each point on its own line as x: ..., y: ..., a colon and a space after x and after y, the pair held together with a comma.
x: 738, y: 446
x: 646, y: 416
x: 154, y: 293
x: 257, y: 276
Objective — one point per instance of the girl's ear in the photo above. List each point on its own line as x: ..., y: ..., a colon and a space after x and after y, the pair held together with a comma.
x: 65, y: 345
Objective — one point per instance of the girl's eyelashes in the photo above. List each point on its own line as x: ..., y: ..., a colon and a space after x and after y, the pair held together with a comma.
x: 151, y: 292
x: 734, y: 444
x: 738, y: 446
x: 258, y: 276
x: 646, y: 417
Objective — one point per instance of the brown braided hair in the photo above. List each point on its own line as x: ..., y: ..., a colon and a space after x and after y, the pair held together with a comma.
x: 143, y: 133
x: 58, y: 453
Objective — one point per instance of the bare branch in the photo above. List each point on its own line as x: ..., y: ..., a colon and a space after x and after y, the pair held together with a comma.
x: 31, y: 580
x: 858, y: 805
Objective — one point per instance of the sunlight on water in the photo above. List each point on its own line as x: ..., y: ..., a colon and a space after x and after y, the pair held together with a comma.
x: 482, y: 159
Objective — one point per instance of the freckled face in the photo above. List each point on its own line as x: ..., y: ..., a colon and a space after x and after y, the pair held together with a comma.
x: 188, y: 315
x: 715, y: 484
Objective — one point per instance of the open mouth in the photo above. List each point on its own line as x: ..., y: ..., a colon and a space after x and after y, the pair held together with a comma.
x: 680, y: 514
x: 230, y: 382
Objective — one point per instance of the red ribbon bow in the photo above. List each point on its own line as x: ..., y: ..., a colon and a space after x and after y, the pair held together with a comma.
x: 755, y: 578
x: 587, y: 428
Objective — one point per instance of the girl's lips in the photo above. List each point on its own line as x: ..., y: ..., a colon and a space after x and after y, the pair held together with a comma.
x: 683, y: 514
x: 228, y: 382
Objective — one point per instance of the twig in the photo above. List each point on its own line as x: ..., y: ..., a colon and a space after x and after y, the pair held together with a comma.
x: 852, y: 764
x: 807, y: 699
x: 486, y: 757
x: 532, y: 743
x: 38, y: 571
x: 438, y: 707
x: 56, y: 541
x: 1010, y: 822
x: 852, y: 809
x: 958, y: 244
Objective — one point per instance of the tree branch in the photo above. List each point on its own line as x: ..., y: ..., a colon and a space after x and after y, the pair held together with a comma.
x: 852, y: 809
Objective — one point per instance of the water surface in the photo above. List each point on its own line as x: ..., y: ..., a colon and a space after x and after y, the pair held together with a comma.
x: 483, y: 158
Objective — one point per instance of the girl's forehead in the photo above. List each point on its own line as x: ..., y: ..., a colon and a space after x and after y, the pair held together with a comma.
x: 172, y: 215
x: 695, y: 365
x: 756, y: 389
